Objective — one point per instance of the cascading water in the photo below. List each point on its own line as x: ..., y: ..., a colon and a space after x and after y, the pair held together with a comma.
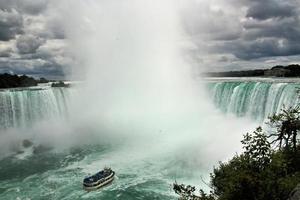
x: 21, y: 108
x: 254, y: 99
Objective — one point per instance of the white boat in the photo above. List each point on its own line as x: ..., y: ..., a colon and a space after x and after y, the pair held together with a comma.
x: 99, y: 179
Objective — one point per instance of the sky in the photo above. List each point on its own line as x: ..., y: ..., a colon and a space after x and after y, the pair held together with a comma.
x: 226, y: 35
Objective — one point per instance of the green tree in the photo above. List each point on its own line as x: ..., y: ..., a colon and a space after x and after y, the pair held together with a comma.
x: 240, y: 178
x: 188, y: 193
x: 287, y: 124
x: 257, y: 149
x: 261, y: 172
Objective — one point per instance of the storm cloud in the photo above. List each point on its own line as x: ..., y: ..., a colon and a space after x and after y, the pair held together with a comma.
x: 32, y: 39
x: 245, y: 32
x: 10, y: 24
x: 32, y: 7
x: 226, y: 35
x: 267, y: 9
x: 28, y: 44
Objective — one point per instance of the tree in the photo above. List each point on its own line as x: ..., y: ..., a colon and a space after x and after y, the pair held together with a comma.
x: 260, y: 172
x: 240, y: 178
x: 287, y: 124
x: 188, y: 193
x: 257, y: 149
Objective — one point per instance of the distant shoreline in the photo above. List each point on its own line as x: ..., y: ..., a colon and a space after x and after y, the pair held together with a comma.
x: 253, y: 79
x: 276, y: 71
x: 9, y: 81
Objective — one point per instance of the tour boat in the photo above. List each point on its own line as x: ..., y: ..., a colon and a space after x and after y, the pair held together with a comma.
x: 99, y: 179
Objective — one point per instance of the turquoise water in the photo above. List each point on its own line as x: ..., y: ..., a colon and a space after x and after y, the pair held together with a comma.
x: 59, y: 176
x: 255, y: 100
x: 143, y: 172
x: 57, y: 173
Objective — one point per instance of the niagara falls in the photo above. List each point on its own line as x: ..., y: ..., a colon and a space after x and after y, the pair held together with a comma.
x: 149, y: 99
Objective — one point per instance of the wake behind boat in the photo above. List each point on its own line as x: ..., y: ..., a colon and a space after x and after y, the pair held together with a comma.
x: 99, y: 179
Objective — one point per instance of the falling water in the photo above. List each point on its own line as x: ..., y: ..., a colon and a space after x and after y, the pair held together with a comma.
x: 25, y: 107
x: 256, y: 100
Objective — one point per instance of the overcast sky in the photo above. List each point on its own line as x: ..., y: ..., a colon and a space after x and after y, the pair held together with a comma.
x: 228, y: 35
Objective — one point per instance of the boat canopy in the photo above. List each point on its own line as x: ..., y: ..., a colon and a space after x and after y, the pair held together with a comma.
x: 96, y: 177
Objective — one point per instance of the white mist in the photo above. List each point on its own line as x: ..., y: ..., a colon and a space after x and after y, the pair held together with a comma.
x: 138, y: 90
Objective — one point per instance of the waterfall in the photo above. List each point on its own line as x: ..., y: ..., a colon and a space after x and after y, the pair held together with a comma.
x: 24, y: 107
x: 254, y: 99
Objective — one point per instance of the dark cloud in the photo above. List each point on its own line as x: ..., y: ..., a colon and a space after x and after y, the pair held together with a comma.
x: 223, y: 59
x: 286, y: 28
x: 32, y: 7
x: 35, y: 67
x: 7, y: 5
x: 6, y: 52
x: 55, y: 29
x: 32, y: 39
x: 247, y: 29
x: 28, y: 44
x: 263, y: 47
x: 271, y: 28
x: 223, y: 31
x: 201, y: 21
x: 10, y: 24
x: 266, y: 9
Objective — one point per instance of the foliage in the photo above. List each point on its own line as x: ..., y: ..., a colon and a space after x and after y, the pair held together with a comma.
x: 188, y: 193
x: 259, y: 173
x: 287, y: 124
x: 257, y: 149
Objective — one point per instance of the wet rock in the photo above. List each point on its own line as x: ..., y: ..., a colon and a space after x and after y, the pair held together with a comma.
x: 60, y: 84
x: 43, y: 80
x: 19, y: 152
x: 27, y: 143
x: 41, y: 149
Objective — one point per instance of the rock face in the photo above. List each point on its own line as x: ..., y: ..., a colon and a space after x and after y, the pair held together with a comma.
x: 13, y: 81
x: 43, y: 80
x: 60, y: 84
x: 295, y: 194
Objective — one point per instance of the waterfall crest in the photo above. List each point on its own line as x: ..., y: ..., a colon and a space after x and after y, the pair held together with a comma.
x: 22, y: 108
x: 256, y: 100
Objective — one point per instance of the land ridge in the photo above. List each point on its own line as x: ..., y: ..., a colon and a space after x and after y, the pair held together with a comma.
x: 292, y: 70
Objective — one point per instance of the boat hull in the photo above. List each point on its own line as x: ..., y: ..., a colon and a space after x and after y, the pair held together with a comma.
x: 100, y: 184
